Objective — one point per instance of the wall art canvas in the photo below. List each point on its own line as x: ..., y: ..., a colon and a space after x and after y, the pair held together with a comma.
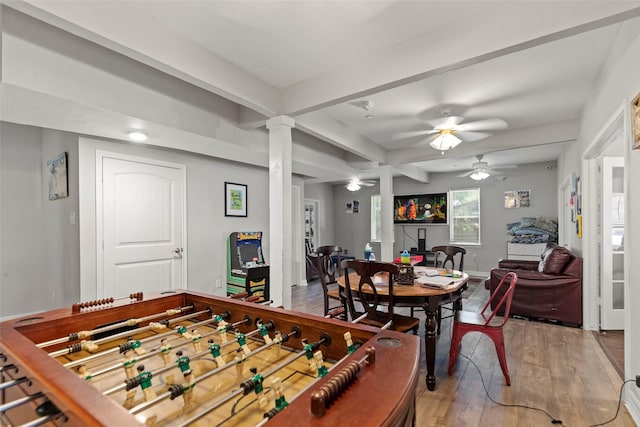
x: 517, y: 199
x: 58, y: 179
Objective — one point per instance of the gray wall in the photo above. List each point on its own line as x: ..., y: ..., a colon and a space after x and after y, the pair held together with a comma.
x: 39, y: 251
x: 353, y: 230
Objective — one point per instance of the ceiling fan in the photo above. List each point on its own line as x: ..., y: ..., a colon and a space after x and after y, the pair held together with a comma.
x: 449, y: 131
x: 481, y: 170
x: 355, y: 184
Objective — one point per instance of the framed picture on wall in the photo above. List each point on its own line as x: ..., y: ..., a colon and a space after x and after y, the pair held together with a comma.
x: 235, y: 199
x: 58, y: 181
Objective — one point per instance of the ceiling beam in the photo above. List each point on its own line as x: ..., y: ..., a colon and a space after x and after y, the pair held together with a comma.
x: 503, y: 30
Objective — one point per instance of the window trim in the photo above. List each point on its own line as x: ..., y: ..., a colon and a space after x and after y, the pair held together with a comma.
x: 373, y: 218
x: 452, y: 218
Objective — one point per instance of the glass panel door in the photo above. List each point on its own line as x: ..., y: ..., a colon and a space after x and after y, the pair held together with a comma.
x: 613, y: 280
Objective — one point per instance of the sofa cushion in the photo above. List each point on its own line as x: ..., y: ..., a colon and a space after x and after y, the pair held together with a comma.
x: 554, y: 260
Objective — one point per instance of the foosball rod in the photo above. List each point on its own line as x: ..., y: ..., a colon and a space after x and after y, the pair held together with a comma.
x: 43, y: 420
x: 11, y: 383
x: 127, y: 334
x: 21, y: 401
x: 235, y: 393
x: 164, y: 396
x: 156, y: 352
x: 130, y: 322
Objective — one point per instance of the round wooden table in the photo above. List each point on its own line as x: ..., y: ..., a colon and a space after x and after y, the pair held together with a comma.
x: 417, y: 295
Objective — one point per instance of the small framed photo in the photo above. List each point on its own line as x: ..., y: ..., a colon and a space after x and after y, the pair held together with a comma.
x: 635, y: 122
x: 235, y: 199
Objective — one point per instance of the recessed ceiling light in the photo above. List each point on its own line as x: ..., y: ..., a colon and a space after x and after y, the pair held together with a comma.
x: 137, y: 136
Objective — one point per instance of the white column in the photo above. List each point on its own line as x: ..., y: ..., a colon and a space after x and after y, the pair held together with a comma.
x: 280, y: 208
x: 386, y: 204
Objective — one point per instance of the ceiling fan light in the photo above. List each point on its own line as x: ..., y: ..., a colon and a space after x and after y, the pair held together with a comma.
x: 353, y: 186
x: 445, y: 141
x: 479, y: 175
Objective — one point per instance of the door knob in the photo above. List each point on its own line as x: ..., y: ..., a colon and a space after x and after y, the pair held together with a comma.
x: 178, y: 250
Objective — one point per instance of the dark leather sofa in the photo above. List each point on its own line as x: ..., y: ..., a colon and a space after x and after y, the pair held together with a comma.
x: 550, y: 289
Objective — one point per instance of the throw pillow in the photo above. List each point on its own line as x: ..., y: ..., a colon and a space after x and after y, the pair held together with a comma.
x: 555, y: 260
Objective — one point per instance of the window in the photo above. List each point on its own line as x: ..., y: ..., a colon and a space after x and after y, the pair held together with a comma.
x: 376, y: 218
x: 464, y: 211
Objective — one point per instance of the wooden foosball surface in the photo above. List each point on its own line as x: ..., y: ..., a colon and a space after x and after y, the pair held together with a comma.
x: 188, y: 359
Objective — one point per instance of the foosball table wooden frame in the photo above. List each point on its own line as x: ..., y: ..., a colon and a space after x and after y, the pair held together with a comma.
x: 382, y: 393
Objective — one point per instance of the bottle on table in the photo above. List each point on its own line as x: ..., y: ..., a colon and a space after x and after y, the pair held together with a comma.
x: 367, y: 251
x: 405, y: 258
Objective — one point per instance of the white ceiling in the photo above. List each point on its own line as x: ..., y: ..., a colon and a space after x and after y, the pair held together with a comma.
x: 530, y: 63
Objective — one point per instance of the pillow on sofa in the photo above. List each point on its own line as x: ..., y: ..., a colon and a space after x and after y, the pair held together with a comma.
x: 554, y: 260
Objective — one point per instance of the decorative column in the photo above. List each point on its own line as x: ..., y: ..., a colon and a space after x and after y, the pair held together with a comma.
x: 280, y: 209
x: 386, y: 205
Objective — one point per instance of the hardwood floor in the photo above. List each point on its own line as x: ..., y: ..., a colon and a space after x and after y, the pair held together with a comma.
x: 555, y: 368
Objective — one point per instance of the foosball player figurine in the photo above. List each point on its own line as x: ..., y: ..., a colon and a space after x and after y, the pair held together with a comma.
x: 222, y: 327
x: 183, y: 332
x: 84, y: 373
x: 145, y: 383
x: 136, y: 346
x: 255, y: 384
x: 187, y: 388
x: 322, y: 370
x: 195, y: 339
x: 215, y: 352
x: 277, y: 337
x: 308, y: 350
x: 158, y: 326
x: 265, y: 333
x: 239, y: 359
x: 128, y: 363
x: 281, y: 401
x: 350, y: 347
x: 242, y: 342
x: 165, y: 351
x: 183, y: 362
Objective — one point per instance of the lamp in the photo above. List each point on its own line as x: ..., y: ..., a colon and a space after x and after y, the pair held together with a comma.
x: 446, y: 140
x: 479, y: 175
x: 353, y: 186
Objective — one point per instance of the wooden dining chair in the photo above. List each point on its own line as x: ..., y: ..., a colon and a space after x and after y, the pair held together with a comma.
x: 465, y: 321
x: 328, y: 271
x: 454, y: 260
x: 373, y: 277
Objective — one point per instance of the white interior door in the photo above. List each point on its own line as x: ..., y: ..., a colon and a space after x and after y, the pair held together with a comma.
x: 143, y: 224
x: 612, y: 214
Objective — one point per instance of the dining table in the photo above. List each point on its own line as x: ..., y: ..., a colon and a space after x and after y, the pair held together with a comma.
x: 429, y: 298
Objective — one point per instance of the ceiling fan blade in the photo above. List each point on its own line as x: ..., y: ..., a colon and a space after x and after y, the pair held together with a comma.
x: 471, y: 136
x: 481, y: 125
x: 462, y: 175
x: 411, y: 134
x: 448, y: 122
x: 504, y: 167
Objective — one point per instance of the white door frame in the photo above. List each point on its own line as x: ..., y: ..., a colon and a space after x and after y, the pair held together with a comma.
x: 100, y: 155
x: 590, y: 223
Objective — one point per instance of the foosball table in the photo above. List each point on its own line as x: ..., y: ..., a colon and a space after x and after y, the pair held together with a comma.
x: 182, y: 358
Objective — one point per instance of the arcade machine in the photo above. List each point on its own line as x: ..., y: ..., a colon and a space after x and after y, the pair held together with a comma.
x: 246, y: 268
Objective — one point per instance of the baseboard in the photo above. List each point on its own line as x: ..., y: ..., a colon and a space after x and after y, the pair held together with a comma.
x: 632, y: 402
